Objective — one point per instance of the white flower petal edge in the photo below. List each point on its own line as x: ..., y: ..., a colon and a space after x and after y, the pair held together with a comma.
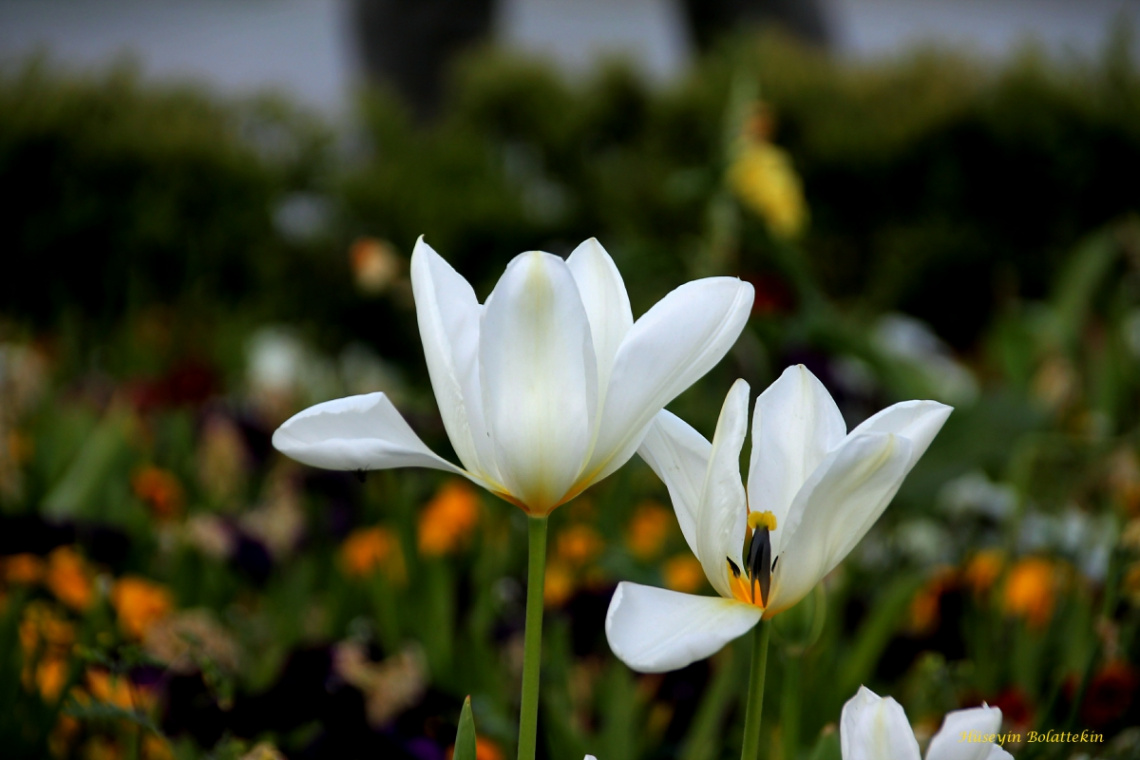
x: 546, y: 388
x: 654, y: 630
x: 355, y: 433
x: 978, y: 722
x: 876, y: 728
x: 449, y: 317
x: 668, y: 349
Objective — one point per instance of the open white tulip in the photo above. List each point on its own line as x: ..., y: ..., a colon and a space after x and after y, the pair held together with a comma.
x: 813, y: 492
x: 546, y: 388
x: 875, y: 728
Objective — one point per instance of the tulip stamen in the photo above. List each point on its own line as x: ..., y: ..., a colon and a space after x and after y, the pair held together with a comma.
x: 755, y: 582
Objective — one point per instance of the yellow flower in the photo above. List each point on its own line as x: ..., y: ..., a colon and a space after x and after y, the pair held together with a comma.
x: 558, y: 585
x: 22, y: 569
x: 140, y: 603
x: 683, y: 573
x: 648, y: 530
x: 448, y: 519
x: 69, y: 578
x: 1031, y: 590
x: 983, y: 570
x: 369, y: 549
x: 159, y: 490
x: 578, y: 544
x: 762, y: 176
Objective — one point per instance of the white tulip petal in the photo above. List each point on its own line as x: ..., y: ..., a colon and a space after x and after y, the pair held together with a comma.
x: 874, y: 728
x: 795, y: 425
x: 723, y: 515
x: 539, y: 379
x: 448, y: 313
x: 680, y: 457
x: 838, y: 505
x: 917, y: 421
x: 672, y: 345
x: 962, y: 735
x: 606, y: 303
x: 654, y: 630
x: 355, y: 433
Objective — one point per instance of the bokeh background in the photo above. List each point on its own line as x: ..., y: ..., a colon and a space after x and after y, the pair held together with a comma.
x: 207, y: 214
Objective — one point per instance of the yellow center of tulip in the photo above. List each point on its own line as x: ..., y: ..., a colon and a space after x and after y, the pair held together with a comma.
x: 752, y: 583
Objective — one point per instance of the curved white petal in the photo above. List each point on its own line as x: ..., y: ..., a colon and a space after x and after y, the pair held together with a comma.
x: 606, y: 303
x: 355, y: 433
x: 672, y: 345
x: 874, y: 728
x: 723, y: 513
x: 917, y: 421
x: 654, y: 630
x: 795, y: 425
x: 539, y: 379
x: 680, y: 457
x: 448, y: 313
x: 962, y: 736
x: 837, y: 506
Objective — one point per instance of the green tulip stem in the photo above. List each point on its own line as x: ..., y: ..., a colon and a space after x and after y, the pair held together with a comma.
x: 532, y: 639
x: 751, y: 749
x: 790, y: 705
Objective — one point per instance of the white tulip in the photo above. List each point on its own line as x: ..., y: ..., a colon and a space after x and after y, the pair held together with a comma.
x: 876, y: 728
x: 813, y: 492
x: 546, y: 388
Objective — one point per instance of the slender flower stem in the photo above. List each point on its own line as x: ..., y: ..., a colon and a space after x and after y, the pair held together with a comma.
x: 751, y: 749
x: 790, y: 705
x: 532, y: 640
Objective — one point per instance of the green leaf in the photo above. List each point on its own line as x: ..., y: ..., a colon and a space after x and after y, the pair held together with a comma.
x: 465, y: 736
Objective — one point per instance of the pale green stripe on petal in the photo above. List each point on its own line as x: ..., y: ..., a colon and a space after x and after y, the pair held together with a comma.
x: 539, y: 379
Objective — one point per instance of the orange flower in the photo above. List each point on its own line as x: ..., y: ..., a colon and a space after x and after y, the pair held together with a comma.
x: 42, y: 627
x: 448, y: 519
x: 51, y: 676
x: 114, y: 689
x: 69, y: 578
x: 578, y: 544
x: 558, y: 585
x: 368, y: 549
x: 1031, y: 590
x: 648, y: 530
x: 983, y: 570
x: 375, y: 264
x: 485, y: 749
x: 140, y: 603
x: 160, y: 490
x: 926, y: 606
x: 683, y: 573
x: 22, y: 569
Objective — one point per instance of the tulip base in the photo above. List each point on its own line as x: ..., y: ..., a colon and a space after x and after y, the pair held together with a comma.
x: 755, y: 709
x: 532, y: 638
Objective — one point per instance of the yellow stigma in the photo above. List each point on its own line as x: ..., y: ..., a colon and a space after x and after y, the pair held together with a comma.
x: 761, y: 519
